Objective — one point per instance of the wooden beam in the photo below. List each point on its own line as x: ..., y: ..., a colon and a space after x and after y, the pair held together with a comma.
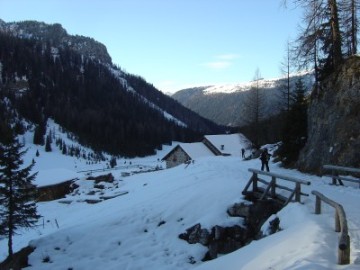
x: 340, y: 226
x: 287, y: 178
x: 341, y: 168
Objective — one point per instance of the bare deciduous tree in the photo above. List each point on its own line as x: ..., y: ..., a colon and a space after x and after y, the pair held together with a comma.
x: 285, y: 88
x: 320, y: 40
x: 349, y: 10
x: 255, y: 106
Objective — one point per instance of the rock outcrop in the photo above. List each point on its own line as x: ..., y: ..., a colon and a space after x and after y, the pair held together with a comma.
x: 334, y: 120
x: 18, y: 261
x: 223, y: 240
x: 57, y: 36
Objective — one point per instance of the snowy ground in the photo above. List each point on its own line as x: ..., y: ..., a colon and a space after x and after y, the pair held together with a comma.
x: 139, y: 229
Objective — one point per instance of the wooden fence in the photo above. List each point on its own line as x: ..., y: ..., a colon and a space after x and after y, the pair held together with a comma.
x: 335, y: 172
x: 340, y: 226
x: 271, y: 186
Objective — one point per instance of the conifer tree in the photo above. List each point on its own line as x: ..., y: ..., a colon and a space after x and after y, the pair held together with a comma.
x: 295, y: 128
x: 39, y: 133
x: 64, y: 149
x: 113, y: 162
x: 48, y: 144
x: 17, y: 191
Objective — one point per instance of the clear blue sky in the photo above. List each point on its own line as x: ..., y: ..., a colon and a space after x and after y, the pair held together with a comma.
x: 175, y: 44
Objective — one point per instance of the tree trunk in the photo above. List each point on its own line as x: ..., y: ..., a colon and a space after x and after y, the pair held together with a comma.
x: 10, y: 219
x: 10, y: 246
x: 335, y: 32
x: 353, y: 27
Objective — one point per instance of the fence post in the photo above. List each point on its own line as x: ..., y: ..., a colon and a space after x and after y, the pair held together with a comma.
x: 337, y: 222
x: 273, y: 187
x: 340, y: 226
x: 344, y: 255
x: 255, y: 187
x: 317, y: 205
x: 297, y: 192
x: 334, y: 177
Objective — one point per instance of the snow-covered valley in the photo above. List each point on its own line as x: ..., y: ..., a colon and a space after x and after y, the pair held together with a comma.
x: 139, y: 228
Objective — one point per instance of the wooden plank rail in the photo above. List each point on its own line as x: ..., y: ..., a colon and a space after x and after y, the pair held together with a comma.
x: 335, y: 172
x: 340, y: 226
x: 272, y: 186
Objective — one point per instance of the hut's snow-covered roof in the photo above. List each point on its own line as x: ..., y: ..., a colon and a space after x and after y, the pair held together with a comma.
x: 196, y: 150
x: 232, y: 143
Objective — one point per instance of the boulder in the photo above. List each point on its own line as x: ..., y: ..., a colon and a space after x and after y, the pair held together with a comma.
x: 19, y: 260
x: 204, y: 238
x: 109, y: 178
x: 223, y: 240
x: 194, y: 234
x: 239, y: 210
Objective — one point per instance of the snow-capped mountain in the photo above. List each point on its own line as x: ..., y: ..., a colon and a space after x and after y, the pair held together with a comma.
x: 225, y: 104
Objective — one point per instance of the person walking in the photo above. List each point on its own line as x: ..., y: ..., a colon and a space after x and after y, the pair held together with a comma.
x: 265, y: 157
x: 243, y: 153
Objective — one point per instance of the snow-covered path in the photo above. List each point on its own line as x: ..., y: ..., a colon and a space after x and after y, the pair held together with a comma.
x: 140, y: 230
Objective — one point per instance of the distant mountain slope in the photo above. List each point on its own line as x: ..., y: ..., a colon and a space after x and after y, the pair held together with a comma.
x: 47, y: 73
x: 56, y: 35
x: 226, y: 104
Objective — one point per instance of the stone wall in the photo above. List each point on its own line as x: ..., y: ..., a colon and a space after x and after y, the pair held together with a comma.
x: 177, y: 157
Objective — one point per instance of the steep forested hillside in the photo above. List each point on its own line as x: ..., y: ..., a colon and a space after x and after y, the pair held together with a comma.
x: 106, y: 108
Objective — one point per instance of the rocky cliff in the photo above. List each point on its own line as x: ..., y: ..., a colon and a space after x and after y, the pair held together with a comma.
x: 334, y: 120
x: 56, y: 35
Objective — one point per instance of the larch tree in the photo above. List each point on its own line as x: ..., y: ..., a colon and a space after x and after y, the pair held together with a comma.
x: 254, y: 107
x: 320, y: 41
x: 285, y: 87
x: 336, y: 42
x: 308, y: 48
x: 17, y: 191
x: 349, y: 11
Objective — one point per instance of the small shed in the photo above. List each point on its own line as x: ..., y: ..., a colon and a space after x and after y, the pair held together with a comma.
x: 55, y: 191
x: 54, y: 184
x: 227, y: 144
x: 185, y: 152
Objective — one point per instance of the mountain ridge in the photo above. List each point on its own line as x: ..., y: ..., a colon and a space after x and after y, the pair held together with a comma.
x: 87, y: 95
x: 225, y: 104
x: 56, y: 35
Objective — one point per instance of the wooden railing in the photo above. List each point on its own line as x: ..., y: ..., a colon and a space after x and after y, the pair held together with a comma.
x: 335, y: 172
x: 270, y: 186
x: 340, y: 226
